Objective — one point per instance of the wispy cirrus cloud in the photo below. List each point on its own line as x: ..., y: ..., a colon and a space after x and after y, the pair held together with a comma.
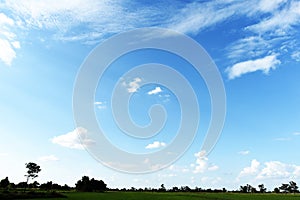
x: 280, y: 22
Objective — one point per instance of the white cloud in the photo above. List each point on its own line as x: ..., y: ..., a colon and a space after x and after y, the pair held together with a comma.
x: 100, y: 104
x: 3, y: 154
x: 202, y: 164
x: 7, y: 42
x: 248, y: 47
x: 4, y: 20
x: 48, y: 158
x: 7, y: 53
x: 155, y: 91
x: 263, y: 64
x: 155, y: 145
x: 270, y: 170
x: 74, y: 140
x: 275, y: 169
x: 281, y: 21
x: 195, y: 16
x: 133, y: 85
x: 296, y: 56
x: 269, y: 6
x: 244, y: 152
x: 253, y: 169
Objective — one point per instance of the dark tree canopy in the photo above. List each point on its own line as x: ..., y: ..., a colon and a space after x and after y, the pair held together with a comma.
x: 4, y: 183
x: 89, y: 185
x: 33, y: 170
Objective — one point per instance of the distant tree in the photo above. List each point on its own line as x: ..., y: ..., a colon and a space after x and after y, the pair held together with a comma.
x: 247, y: 189
x: 46, y: 186
x: 293, y: 188
x: 35, y: 184
x: 66, y: 187
x: 4, y: 183
x: 243, y: 189
x: 175, y: 189
x: 276, y: 190
x: 162, y: 188
x: 262, y: 188
x: 87, y: 185
x: 22, y: 185
x: 33, y: 170
x: 185, y: 189
x: 284, y: 188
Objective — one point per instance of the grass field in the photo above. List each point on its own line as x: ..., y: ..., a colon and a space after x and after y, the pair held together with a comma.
x: 175, y: 196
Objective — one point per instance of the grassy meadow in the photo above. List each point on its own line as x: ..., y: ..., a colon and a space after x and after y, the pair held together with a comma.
x: 175, y: 196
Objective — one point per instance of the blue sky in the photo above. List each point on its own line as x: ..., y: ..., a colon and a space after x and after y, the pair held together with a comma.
x: 255, y: 45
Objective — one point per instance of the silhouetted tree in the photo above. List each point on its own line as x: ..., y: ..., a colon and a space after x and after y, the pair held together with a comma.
x: 293, y: 188
x: 284, y: 187
x: 21, y: 185
x: 33, y: 170
x: 4, y: 183
x: 247, y: 189
x: 162, y: 188
x: 276, y: 190
x: 87, y: 185
x: 262, y: 188
x: 35, y: 184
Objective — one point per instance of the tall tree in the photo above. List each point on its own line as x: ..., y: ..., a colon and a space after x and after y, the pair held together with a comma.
x: 33, y: 170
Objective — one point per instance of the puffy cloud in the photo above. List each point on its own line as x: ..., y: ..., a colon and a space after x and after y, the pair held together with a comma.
x: 263, y: 64
x: 253, y: 169
x: 270, y: 170
x: 7, y: 53
x: 275, y: 169
x: 155, y: 91
x: 133, y: 85
x: 202, y: 165
x: 155, y: 145
x: 74, y: 140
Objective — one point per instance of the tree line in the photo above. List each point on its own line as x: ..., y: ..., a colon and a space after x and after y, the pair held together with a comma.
x: 85, y: 184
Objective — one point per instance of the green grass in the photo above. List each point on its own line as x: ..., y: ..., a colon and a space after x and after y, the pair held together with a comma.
x: 175, y: 196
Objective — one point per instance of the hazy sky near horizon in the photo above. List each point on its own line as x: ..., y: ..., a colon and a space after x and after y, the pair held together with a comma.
x: 255, y: 45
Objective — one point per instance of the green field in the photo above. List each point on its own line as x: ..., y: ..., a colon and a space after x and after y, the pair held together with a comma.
x: 175, y: 196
